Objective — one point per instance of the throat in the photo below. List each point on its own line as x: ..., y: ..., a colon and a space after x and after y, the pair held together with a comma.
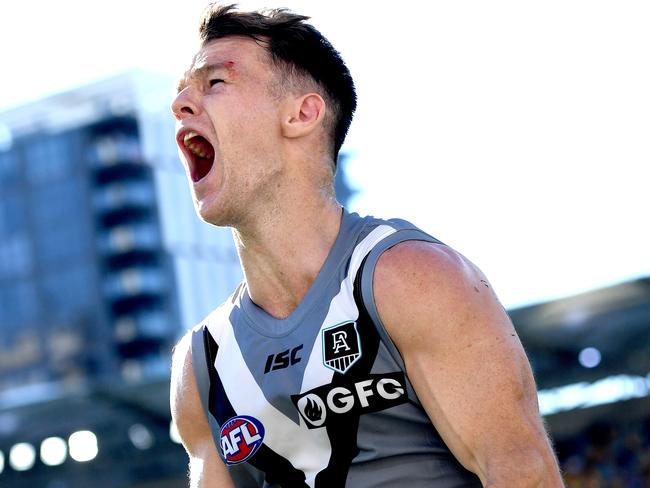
x: 281, y: 272
x: 280, y: 298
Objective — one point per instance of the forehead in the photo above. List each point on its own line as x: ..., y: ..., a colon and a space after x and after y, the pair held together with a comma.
x: 237, y: 53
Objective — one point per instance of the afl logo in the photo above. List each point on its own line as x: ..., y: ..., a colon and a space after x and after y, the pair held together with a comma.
x: 241, y: 437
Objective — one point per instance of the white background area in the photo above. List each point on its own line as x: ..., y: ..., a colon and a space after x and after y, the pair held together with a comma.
x: 518, y: 132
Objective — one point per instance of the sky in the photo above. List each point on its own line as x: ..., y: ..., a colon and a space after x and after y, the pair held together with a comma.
x: 517, y: 132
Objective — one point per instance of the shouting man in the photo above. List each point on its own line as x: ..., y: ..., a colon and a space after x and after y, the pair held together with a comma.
x: 358, y: 352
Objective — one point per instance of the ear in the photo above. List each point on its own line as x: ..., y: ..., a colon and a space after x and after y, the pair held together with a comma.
x: 304, y: 114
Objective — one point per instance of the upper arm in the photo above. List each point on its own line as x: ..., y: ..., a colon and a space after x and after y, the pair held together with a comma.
x: 207, y: 470
x: 465, y: 361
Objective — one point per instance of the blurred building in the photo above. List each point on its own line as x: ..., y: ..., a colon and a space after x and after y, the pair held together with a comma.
x: 103, y: 265
x: 591, y: 358
x: 103, y: 262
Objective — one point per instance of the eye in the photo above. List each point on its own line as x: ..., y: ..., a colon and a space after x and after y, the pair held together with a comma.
x: 215, y: 81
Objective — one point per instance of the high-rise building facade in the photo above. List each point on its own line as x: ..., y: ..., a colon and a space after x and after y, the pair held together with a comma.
x: 103, y: 265
x: 103, y: 261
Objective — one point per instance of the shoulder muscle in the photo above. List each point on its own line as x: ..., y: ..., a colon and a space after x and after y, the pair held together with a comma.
x: 463, y: 357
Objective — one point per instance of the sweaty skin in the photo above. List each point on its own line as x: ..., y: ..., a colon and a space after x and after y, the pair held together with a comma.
x: 271, y: 180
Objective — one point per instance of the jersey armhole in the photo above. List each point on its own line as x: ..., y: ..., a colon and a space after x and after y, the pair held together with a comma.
x: 201, y: 361
x: 367, y: 274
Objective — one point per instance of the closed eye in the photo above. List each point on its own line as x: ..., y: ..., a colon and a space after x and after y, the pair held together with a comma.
x: 215, y: 81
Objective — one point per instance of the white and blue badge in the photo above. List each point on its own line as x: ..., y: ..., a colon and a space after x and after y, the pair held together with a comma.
x: 341, y: 346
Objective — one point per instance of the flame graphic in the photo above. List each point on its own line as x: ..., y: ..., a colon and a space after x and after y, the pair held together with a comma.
x: 312, y: 411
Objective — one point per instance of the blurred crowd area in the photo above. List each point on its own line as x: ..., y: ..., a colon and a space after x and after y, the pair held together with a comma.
x: 608, y: 455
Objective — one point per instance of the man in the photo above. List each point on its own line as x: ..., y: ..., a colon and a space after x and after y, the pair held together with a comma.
x: 357, y: 352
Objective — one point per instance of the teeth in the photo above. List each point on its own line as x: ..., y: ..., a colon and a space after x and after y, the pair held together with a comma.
x: 196, y: 150
x: 188, y: 136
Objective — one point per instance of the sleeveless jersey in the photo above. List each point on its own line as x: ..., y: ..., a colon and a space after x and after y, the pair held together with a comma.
x: 320, y: 399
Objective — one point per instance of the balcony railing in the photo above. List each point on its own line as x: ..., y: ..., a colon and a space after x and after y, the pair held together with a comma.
x: 134, y: 281
x: 122, y: 194
x: 126, y: 238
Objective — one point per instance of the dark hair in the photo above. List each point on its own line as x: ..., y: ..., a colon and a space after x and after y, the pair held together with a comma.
x: 296, y: 48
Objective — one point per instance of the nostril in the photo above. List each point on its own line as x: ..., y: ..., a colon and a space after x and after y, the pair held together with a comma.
x: 186, y: 103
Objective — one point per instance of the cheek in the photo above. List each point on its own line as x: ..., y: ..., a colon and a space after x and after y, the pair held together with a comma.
x: 256, y: 130
x: 246, y: 124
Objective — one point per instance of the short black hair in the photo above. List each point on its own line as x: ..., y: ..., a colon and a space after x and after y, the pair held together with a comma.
x: 296, y: 48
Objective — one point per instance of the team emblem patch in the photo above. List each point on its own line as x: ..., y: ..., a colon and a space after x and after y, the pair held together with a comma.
x: 241, y: 437
x: 341, y: 346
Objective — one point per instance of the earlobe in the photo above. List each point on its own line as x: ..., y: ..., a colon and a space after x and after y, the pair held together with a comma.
x: 306, y: 114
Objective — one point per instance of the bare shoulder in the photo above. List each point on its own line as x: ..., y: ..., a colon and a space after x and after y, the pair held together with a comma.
x: 466, y: 363
x: 417, y: 279
x: 442, y: 314
x: 413, y: 261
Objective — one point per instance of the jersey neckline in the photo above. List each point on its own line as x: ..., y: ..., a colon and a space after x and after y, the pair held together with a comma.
x: 265, y: 324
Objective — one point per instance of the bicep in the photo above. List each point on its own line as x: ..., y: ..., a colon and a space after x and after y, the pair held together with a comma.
x: 461, y: 354
x: 207, y: 470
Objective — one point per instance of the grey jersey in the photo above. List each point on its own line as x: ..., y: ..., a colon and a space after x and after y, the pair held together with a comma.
x: 321, y: 398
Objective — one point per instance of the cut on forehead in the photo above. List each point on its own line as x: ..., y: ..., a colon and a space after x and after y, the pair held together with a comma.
x: 230, y: 53
x: 234, y: 48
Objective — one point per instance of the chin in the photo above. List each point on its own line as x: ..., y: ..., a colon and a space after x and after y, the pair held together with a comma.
x: 209, y: 217
x: 213, y: 216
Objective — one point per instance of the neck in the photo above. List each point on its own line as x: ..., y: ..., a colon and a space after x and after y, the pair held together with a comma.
x: 282, y: 253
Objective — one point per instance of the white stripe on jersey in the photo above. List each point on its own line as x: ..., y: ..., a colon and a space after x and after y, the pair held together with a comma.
x: 308, y: 449
x: 342, y: 308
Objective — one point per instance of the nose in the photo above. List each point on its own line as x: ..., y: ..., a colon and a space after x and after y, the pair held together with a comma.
x: 185, y: 104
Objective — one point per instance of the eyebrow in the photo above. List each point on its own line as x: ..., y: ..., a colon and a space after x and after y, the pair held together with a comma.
x: 200, y: 72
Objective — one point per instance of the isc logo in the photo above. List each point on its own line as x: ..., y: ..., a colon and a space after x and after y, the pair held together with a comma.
x: 241, y: 437
x: 283, y: 359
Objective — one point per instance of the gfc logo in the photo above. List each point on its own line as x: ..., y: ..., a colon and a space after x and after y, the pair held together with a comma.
x: 376, y: 392
x: 241, y: 437
x: 341, y: 346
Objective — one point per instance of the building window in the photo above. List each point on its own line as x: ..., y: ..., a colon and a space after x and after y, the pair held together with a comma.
x: 115, y: 148
x: 49, y: 158
x: 59, y: 222
x: 15, y: 247
x: 15, y: 256
x: 68, y: 292
x: 9, y: 169
x: 12, y: 215
x: 18, y: 305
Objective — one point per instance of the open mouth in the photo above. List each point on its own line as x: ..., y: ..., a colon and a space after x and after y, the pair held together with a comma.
x: 201, y: 155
